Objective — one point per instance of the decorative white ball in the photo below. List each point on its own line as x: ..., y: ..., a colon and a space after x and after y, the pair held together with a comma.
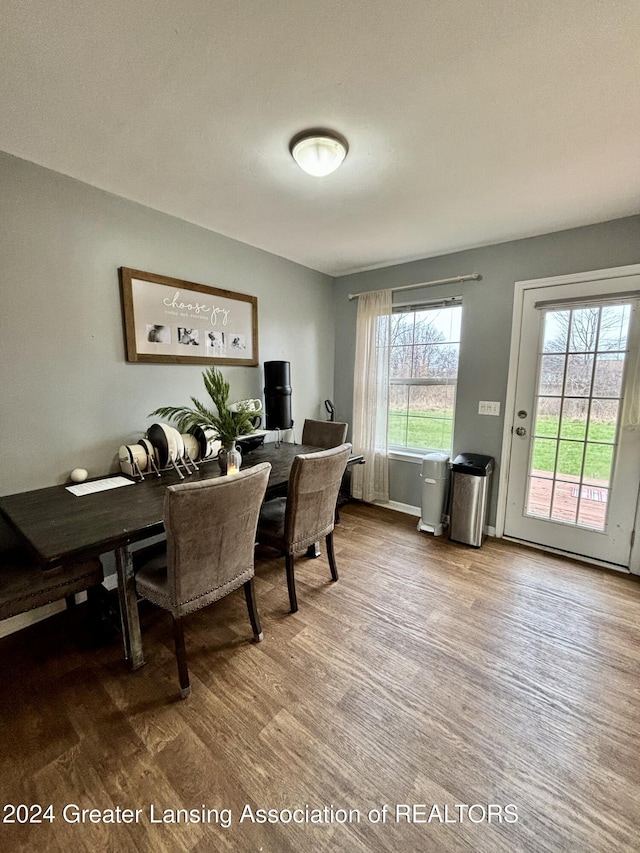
x: 79, y: 475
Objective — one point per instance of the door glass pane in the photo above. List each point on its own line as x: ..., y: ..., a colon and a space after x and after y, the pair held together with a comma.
x: 603, y: 420
x: 548, y: 416
x: 556, y: 328
x: 593, y: 507
x: 578, y: 401
x: 539, y: 497
x: 607, y: 381
x: 598, y: 461
x: 551, y: 375
x: 574, y: 418
x: 583, y: 334
x: 569, y: 465
x: 614, y: 327
x: 544, y: 457
x: 579, y: 370
x: 565, y: 502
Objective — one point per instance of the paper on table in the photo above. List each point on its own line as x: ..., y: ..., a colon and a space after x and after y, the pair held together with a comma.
x: 99, y: 486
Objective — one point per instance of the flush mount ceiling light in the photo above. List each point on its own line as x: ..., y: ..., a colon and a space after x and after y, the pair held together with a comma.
x: 318, y: 152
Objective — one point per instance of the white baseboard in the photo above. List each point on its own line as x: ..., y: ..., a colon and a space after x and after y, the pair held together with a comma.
x: 408, y: 509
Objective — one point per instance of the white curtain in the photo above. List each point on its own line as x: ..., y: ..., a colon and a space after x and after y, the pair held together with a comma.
x: 370, y: 482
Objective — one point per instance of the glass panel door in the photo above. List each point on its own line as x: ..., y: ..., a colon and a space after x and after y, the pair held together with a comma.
x: 577, y: 407
x: 574, y: 465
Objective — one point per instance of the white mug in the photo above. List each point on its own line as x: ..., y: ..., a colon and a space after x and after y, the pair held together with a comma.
x: 246, y: 406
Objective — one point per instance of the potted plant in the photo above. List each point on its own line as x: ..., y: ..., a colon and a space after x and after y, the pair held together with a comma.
x: 226, y: 424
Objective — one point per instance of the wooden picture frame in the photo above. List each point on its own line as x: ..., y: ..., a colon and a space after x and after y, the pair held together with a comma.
x: 170, y: 321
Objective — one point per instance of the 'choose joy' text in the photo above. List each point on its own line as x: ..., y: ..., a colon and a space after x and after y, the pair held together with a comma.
x: 199, y: 308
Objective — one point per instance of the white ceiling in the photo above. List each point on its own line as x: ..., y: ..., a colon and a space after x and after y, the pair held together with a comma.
x: 469, y: 121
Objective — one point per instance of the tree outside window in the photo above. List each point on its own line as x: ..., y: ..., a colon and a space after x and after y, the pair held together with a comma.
x: 423, y: 373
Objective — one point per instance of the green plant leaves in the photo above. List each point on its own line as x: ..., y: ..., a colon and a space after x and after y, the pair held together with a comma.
x: 228, y: 425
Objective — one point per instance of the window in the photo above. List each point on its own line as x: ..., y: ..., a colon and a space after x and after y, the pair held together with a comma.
x: 423, y: 373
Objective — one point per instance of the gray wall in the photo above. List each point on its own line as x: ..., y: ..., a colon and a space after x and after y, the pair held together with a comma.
x: 69, y: 398
x: 486, y: 331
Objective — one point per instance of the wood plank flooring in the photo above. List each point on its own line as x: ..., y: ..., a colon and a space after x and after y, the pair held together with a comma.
x: 431, y: 675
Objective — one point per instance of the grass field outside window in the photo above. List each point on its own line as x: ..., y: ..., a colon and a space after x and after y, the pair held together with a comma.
x: 423, y: 370
x: 598, y: 455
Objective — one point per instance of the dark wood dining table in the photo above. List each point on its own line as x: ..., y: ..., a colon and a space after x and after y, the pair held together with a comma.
x: 58, y: 525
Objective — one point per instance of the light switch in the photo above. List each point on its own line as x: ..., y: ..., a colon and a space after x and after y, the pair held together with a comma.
x: 488, y: 407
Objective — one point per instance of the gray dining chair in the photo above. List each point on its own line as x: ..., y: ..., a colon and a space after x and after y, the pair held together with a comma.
x: 211, y: 533
x: 325, y: 434
x: 328, y: 434
x: 307, y: 514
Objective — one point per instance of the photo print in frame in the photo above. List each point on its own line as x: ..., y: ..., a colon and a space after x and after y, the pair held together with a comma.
x: 167, y: 320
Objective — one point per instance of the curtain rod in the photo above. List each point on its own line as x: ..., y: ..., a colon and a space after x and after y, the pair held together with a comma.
x: 474, y: 276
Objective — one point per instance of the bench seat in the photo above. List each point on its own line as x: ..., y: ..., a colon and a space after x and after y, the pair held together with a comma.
x: 25, y: 585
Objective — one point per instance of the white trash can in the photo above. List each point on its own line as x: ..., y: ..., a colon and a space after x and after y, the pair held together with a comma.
x: 435, y: 482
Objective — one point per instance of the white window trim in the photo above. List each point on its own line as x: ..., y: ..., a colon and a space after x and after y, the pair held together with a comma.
x: 415, y: 455
x: 405, y: 454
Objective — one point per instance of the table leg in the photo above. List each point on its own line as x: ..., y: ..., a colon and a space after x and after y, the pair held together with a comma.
x: 131, y: 635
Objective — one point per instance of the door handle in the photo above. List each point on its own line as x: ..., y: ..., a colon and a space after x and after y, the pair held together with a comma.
x: 521, y: 431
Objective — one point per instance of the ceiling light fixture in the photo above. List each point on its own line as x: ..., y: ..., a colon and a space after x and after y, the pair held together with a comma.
x: 318, y: 152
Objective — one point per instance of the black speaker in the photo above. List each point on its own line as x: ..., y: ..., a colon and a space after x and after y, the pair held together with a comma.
x: 277, y: 394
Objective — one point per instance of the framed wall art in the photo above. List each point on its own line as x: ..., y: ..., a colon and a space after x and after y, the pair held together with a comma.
x: 171, y: 321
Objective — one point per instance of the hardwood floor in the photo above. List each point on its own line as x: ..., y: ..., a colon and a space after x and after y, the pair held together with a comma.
x: 430, y: 675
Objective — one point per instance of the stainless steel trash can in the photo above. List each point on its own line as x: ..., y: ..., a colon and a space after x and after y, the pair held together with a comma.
x: 435, y: 479
x: 471, y: 487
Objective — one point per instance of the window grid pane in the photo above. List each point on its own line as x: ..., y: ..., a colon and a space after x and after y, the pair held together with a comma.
x: 423, y: 375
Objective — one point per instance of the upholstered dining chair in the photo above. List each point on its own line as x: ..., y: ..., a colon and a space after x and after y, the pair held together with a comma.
x: 325, y: 434
x: 328, y: 434
x: 211, y: 533
x: 307, y: 514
